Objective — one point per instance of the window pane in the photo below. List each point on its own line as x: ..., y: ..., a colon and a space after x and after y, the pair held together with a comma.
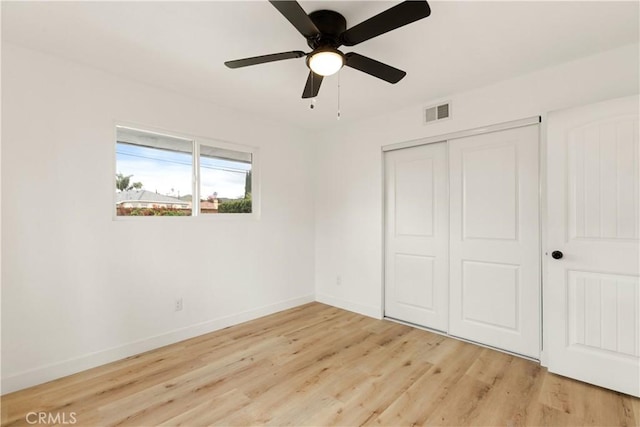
x: 153, y: 174
x: 225, y: 181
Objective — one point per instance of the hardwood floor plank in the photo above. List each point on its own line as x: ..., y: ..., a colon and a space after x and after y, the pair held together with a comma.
x: 316, y: 365
x: 432, y: 390
x: 210, y: 410
x: 510, y: 392
x: 490, y: 366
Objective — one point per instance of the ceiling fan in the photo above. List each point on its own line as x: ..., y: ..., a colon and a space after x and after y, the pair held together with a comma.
x: 326, y: 31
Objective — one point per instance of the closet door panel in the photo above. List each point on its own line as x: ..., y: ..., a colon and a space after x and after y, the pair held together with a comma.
x: 494, y: 242
x: 416, y: 235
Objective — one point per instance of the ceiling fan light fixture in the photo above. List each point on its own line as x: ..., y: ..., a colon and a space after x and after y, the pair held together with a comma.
x: 325, y: 62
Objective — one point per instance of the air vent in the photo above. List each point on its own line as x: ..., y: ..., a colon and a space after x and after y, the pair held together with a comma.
x: 437, y: 112
x: 443, y: 111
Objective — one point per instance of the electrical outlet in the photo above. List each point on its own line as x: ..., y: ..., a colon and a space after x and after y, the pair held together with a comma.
x: 339, y: 280
x: 178, y: 305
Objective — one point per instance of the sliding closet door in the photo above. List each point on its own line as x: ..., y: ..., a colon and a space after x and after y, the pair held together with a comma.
x: 495, y: 266
x: 416, y: 235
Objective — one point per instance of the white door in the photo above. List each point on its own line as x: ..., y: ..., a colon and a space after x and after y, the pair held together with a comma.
x: 592, y: 296
x: 416, y: 235
x: 495, y: 250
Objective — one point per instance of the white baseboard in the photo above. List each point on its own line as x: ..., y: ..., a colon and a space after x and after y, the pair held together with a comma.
x: 366, y: 310
x: 57, y: 370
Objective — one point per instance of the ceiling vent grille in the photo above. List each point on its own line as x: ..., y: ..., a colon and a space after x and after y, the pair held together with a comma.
x: 437, y: 112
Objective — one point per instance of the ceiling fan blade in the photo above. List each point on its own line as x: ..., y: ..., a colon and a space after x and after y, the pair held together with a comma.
x: 396, y: 17
x: 374, y: 68
x: 238, y: 63
x: 313, y: 85
x: 297, y: 16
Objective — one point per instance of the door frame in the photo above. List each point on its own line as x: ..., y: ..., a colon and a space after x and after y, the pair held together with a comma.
x: 534, y: 120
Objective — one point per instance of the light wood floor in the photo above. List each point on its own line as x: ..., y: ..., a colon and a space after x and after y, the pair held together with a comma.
x: 322, y: 366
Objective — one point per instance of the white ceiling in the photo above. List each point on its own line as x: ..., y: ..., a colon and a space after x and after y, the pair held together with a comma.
x: 182, y: 46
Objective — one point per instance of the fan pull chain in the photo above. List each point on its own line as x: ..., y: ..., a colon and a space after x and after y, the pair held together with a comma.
x: 313, y: 100
x: 339, y: 95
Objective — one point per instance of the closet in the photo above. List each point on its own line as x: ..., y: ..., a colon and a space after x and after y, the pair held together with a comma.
x: 462, y: 236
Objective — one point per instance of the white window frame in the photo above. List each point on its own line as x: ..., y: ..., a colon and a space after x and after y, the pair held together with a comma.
x: 196, y: 141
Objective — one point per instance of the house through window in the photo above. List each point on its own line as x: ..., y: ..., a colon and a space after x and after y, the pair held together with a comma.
x: 163, y: 175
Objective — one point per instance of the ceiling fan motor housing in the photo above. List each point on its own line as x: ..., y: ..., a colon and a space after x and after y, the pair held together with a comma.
x: 331, y: 25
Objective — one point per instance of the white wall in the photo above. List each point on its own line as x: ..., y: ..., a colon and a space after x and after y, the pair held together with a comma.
x: 80, y: 289
x: 349, y: 163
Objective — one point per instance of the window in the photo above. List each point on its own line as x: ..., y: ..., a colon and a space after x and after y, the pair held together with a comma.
x: 163, y: 175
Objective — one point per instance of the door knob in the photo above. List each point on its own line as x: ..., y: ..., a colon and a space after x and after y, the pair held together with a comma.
x: 556, y: 254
